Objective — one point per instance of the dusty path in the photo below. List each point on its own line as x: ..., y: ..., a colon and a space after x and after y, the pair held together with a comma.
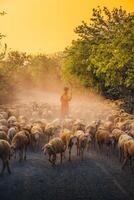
x: 96, y: 178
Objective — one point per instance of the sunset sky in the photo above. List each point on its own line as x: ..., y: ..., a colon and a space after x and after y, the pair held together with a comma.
x: 47, y: 25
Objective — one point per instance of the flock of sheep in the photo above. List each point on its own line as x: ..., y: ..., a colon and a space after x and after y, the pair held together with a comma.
x: 37, y: 127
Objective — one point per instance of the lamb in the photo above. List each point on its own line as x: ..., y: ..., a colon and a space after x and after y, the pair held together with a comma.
x: 54, y: 147
x: 5, y: 155
x: 68, y: 140
x: 82, y: 141
x: 20, y: 142
x: 128, y: 152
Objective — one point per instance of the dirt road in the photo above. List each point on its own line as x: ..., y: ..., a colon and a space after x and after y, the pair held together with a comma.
x: 95, y: 178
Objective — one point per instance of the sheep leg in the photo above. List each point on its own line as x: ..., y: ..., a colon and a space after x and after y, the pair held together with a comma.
x: 70, y: 148
x: 54, y: 159
x: 64, y: 155
x: 3, y: 168
x: 77, y: 150
x: 107, y: 151
x: 130, y: 163
x: 88, y: 147
x: 77, y: 147
x: 38, y: 144
x: 64, y: 152
x: 94, y: 143
x: 50, y: 159
x: 99, y: 145
x: 82, y: 152
x: 61, y: 158
x: 124, y: 163
x: 120, y: 155
x: 25, y: 150
x: 8, y: 168
x: 33, y: 145
x: 20, y: 155
x: 14, y: 154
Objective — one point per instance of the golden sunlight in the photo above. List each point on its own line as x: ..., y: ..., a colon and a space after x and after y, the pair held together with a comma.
x: 47, y: 25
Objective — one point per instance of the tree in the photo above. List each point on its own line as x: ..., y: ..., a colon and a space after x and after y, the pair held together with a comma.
x: 102, y: 56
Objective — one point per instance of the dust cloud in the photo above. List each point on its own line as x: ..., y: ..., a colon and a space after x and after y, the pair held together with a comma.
x: 85, y: 104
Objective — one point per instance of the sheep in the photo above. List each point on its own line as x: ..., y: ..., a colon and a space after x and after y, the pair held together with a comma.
x: 20, y: 142
x: 51, y: 130
x: 68, y: 140
x: 4, y: 114
x: 3, y: 135
x: 36, y: 135
x: 11, y: 120
x: 12, y: 132
x: 54, y: 147
x: 5, y: 155
x: 92, y: 129
x: 123, y: 138
x: 3, y: 122
x: 116, y: 133
x: 108, y: 125
x: 78, y: 125
x: 82, y: 141
x: 3, y: 128
x: 128, y: 152
x: 68, y: 123
x: 103, y: 137
x: 1, y: 116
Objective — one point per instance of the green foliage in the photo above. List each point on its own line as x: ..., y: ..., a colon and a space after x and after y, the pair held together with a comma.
x: 103, y: 55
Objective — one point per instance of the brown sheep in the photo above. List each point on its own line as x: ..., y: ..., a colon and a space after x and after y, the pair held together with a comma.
x: 3, y: 135
x: 20, y: 142
x: 103, y: 137
x: 54, y: 147
x: 68, y: 140
x: 3, y: 128
x: 92, y: 129
x: 78, y: 125
x: 122, y: 139
x: 36, y: 136
x: 128, y: 152
x: 116, y: 133
x: 5, y: 155
x: 82, y: 141
x: 51, y: 130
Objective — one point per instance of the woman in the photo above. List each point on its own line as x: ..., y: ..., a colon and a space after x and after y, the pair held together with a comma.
x: 65, y: 98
